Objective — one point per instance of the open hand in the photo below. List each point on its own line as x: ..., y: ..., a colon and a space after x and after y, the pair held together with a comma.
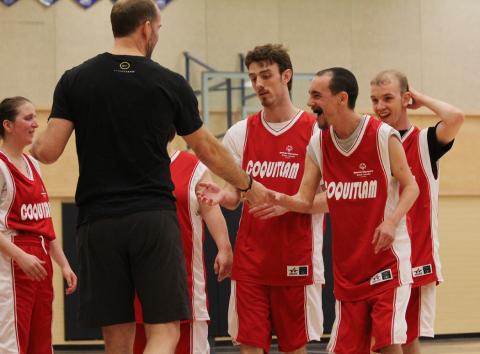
x: 209, y: 193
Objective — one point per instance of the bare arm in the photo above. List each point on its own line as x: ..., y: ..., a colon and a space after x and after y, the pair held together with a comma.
x: 303, y: 201
x: 451, y: 117
x: 268, y: 210
x: 57, y: 254
x: 217, y: 158
x: 48, y: 147
x: 385, y: 233
x: 232, y: 197
x: 213, y: 217
x: 401, y: 171
x: 319, y: 204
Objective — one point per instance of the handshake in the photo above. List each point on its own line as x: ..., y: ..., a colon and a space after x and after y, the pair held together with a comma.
x: 263, y: 203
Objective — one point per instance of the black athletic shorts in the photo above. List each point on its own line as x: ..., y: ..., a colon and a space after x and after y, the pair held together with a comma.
x: 142, y: 252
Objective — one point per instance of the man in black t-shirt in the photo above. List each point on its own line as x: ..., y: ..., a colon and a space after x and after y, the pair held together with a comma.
x: 121, y: 105
x: 391, y: 98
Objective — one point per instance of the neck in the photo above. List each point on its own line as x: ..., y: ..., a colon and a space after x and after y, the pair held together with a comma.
x: 346, y: 124
x: 12, y: 150
x: 403, y: 123
x: 127, y: 46
x: 170, y: 149
x: 280, y: 113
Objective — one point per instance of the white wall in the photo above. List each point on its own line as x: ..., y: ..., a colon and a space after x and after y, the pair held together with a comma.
x: 435, y: 42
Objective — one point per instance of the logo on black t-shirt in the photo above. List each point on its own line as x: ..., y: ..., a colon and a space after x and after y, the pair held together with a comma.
x: 124, y: 67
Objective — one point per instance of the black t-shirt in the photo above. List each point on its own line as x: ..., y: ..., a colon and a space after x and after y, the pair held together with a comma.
x: 435, y: 148
x: 122, y: 108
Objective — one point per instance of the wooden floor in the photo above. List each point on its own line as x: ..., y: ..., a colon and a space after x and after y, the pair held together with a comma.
x: 438, y: 346
x: 451, y: 346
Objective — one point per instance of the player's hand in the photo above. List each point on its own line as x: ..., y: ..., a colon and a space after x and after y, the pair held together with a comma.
x: 71, y: 280
x: 223, y: 263
x: 258, y: 194
x: 267, y: 211
x: 417, y: 99
x: 277, y: 198
x: 384, y: 236
x: 32, y: 266
x: 209, y: 193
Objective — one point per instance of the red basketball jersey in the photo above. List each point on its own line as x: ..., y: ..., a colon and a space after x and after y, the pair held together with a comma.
x: 186, y: 171
x: 285, y: 250
x: 422, y: 219
x: 24, y: 207
x: 360, y: 193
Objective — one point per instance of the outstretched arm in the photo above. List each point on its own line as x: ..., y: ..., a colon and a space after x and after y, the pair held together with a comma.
x: 451, y: 117
x: 50, y: 144
x: 319, y: 204
x: 217, y: 158
x: 268, y: 211
x: 213, y: 217
x: 303, y: 201
x: 385, y: 233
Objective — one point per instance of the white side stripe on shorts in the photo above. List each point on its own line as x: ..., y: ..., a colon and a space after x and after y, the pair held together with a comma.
x: 399, y: 325
x: 199, y: 338
x: 8, y: 322
x: 232, y: 312
x: 427, y: 310
x: 334, y: 335
x: 313, y: 311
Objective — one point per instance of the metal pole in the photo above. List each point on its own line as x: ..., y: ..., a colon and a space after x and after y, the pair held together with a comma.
x: 205, y: 97
x: 242, y: 81
x: 229, y: 103
x: 187, y: 66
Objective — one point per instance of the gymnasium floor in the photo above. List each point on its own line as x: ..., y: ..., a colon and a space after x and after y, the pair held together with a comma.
x: 438, y: 346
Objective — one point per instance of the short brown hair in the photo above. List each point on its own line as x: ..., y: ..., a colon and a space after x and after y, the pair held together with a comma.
x: 342, y: 80
x: 9, y: 110
x: 271, y: 53
x: 385, y: 77
x: 127, y: 15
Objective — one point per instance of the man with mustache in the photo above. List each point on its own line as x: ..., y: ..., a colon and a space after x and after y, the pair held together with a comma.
x: 277, y: 273
x: 391, y: 98
x: 363, y: 165
x: 121, y: 105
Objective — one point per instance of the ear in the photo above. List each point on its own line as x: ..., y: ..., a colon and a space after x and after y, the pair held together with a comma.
x: 343, y: 98
x: 146, y: 30
x: 287, y: 75
x: 7, y: 125
x: 406, y: 99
